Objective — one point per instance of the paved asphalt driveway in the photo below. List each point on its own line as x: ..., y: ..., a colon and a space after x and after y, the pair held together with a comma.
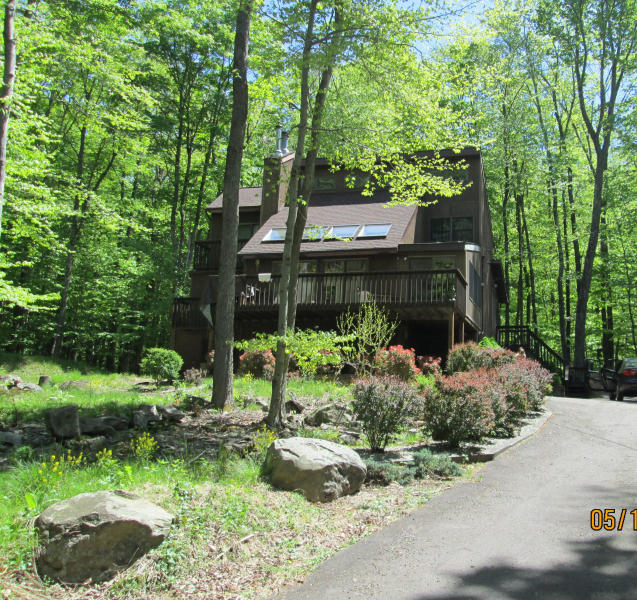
x: 522, y: 531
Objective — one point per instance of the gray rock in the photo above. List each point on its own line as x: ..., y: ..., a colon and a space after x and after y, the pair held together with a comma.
x: 10, y: 380
x: 263, y: 403
x: 321, y: 470
x: 294, y: 405
x: 94, y: 444
x: 11, y: 438
x: 106, y: 425
x: 170, y: 414
x: 95, y: 535
x: 329, y: 413
x: 63, y: 422
x: 25, y: 386
x: 145, y: 415
x: 74, y: 384
x: 44, y: 381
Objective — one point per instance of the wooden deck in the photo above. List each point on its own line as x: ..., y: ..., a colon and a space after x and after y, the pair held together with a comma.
x: 413, y: 291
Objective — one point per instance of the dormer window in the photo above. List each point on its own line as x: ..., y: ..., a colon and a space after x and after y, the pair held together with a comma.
x: 374, y: 230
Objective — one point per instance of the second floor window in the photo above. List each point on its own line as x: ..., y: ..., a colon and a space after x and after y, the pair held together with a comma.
x: 452, y: 229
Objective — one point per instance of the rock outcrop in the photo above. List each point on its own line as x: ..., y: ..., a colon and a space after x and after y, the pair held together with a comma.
x: 320, y: 469
x: 95, y: 535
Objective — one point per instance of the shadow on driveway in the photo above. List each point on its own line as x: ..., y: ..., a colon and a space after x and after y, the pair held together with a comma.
x: 600, y: 570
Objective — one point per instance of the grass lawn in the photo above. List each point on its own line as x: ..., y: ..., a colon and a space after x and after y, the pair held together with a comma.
x: 234, y: 535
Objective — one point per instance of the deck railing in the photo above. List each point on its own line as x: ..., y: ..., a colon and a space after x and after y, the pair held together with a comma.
x: 187, y: 314
x: 207, y: 255
x: 521, y: 336
x: 402, y: 288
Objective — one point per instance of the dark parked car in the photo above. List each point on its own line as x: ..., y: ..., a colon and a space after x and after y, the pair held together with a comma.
x: 622, y: 380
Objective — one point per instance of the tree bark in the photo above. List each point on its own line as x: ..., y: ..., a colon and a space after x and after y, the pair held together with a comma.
x: 224, y: 314
x: 276, y: 412
x: 6, y: 92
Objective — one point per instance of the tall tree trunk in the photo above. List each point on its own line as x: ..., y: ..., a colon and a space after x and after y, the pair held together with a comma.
x: 505, y: 227
x: 519, y: 314
x: 224, y: 314
x: 76, y: 226
x: 532, y: 312
x: 8, y: 78
x: 606, y: 295
x: 276, y: 412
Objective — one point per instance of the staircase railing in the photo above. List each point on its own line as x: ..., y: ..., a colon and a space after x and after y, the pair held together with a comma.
x: 514, y: 337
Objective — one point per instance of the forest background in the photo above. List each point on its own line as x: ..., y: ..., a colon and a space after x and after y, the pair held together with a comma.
x: 119, y: 123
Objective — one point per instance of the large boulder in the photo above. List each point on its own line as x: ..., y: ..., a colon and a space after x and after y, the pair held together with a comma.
x: 93, y: 536
x: 106, y: 425
x: 320, y: 469
x: 25, y: 386
x: 64, y: 422
x: 338, y: 414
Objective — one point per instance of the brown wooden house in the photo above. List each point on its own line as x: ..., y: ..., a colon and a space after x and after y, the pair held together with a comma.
x: 431, y: 265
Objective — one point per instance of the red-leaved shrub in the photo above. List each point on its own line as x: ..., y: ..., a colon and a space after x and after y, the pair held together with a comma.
x: 469, y: 356
x: 397, y: 361
x: 429, y: 365
x: 259, y: 364
x: 459, y: 407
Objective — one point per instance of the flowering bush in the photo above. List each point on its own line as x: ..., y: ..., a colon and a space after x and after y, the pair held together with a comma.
x: 258, y: 363
x: 429, y: 365
x: 469, y: 356
x: 382, y: 404
x: 459, y: 407
x: 397, y: 361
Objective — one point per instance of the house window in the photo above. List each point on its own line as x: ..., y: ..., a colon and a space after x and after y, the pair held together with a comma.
x: 342, y: 232
x: 308, y: 266
x: 440, y: 263
x: 335, y: 266
x: 374, y: 230
x: 475, y: 286
x: 462, y: 229
x: 456, y: 229
x: 246, y: 231
x: 314, y: 233
x: 356, y: 181
x: 419, y: 263
x: 440, y: 230
x: 356, y: 265
x: 275, y: 235
x: 324, y: 183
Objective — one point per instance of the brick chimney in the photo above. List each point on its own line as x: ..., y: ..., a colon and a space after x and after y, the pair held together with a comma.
x: 276, y: 176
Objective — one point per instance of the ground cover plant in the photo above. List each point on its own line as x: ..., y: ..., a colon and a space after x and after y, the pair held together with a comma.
x: 234, y: 535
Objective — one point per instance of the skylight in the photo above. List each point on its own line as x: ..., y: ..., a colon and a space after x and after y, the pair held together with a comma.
x: 275, y: 235
x: 314, y: 233
x: 374, y: 230
x: 341, y: 232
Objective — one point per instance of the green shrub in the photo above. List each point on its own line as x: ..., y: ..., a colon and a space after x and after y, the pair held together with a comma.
x: 397, y: 361
x: 458, y: 408
x: 427, y: 465
x: 466, y: 357
x: 161, y: 363
x: 488, y: 342
x: 382, y: 404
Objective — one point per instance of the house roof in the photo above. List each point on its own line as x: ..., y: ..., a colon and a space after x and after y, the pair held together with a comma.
x: 249, y: 197
x: 346, y: 209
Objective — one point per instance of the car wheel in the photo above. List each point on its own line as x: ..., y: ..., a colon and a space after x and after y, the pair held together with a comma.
x: 620, y: 396
x: 612, y: 395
